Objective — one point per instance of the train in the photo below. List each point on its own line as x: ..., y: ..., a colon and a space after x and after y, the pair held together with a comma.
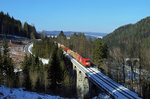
x: 84, y: 61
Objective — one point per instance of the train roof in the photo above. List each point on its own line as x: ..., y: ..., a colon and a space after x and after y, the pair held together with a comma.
x: 84, y: 57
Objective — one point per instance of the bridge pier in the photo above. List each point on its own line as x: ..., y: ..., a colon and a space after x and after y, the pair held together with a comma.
x: 82, y: 82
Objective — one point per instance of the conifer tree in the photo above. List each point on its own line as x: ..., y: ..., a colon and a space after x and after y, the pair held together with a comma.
x: 7, y: 66
x: 26, y: 68
x: 26, y: 29
x: 5, y: 48
x: 26, y: 64
x: 99, y: 52
x: 61, y: 63
x: 54, y: 71
x: 61, y: 38
x: 1, y: 73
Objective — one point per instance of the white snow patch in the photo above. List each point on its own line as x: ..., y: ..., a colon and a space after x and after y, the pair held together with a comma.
x: 19, y: 93
x: 102, y: 96
x: 44, y: 61
x: 96, y: 36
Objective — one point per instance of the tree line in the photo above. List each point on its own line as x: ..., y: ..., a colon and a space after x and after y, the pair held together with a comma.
x: 9, y: 25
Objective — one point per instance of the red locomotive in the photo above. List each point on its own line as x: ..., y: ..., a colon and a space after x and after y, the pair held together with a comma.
x: 82, y: 60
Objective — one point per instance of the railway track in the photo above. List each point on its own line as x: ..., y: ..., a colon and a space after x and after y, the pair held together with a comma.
x: 115, y: 87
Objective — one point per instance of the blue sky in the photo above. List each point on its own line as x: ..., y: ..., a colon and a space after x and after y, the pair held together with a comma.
x: 77, y: 15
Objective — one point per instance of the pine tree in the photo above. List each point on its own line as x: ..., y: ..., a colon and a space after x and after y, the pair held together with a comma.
x: 37, y: 63
x: 8, y: 68
x: 61, y: 64
x: 99, y: 52
x: 26, y: 64
x: 26, y: 68
x: 54, y: 71
x: 5, y: 48
x: 1, y: 69
x: 62, y: 38
x: 26, y: 29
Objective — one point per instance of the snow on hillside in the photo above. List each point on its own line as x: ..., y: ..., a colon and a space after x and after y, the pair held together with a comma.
x: 19, y: 93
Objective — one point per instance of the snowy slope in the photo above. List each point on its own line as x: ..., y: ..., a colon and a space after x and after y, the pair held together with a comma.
x: 18, y: 93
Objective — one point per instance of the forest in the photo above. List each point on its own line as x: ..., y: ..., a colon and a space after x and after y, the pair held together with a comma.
x: 131, y: 41
x: 11, y: 26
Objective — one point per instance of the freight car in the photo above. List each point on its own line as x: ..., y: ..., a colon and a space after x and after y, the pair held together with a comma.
x: 84, y: 61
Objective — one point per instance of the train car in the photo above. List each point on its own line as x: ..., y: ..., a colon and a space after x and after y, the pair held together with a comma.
x: 66, y: 49
x: 84, y: 61
x: 59, y: 45
x: 76, y: 56
x: 63, y: 47
x: 69, y: 52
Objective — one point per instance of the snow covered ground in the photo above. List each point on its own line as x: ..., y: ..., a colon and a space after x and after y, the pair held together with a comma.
x: 19, y: 93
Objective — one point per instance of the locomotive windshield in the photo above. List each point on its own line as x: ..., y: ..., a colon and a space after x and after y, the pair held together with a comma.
x: 88, y: 61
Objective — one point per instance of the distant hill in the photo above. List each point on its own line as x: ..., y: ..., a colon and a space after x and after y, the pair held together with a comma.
x: 68, y: 33
x: 130, y: 35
